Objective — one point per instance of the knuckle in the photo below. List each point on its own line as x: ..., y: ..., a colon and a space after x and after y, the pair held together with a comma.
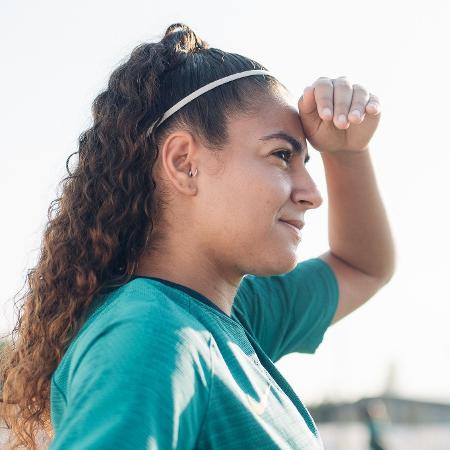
x: 343, y: 82
x: 323, y: 81
x: 360, y: 88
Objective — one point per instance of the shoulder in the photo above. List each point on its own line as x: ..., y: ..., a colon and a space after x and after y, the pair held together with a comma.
x: 141, y: 363
x: 134, y: 323
x: 148, y: 307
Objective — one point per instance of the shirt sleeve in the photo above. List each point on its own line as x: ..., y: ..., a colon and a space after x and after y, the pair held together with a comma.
x: 290, y: 312
x: 140, y: 384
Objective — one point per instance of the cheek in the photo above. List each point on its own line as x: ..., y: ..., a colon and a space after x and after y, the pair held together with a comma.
x: 247, y: 189
x: 250, y: 206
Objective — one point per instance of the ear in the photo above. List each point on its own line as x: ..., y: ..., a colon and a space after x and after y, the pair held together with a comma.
x: 178, y: 156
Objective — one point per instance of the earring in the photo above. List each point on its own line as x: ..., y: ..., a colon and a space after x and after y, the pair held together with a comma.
x: 190, y: 172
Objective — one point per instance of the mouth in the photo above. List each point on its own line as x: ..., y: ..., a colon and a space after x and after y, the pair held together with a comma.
x: 298, y: 224
x: 295, y: 228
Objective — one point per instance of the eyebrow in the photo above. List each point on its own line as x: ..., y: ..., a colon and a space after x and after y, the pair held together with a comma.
x: 297, y: 145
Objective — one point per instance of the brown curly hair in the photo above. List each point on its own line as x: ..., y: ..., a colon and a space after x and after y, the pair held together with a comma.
x: 102, y: 222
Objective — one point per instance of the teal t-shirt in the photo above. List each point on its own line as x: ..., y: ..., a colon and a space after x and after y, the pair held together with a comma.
x: 159, y: 366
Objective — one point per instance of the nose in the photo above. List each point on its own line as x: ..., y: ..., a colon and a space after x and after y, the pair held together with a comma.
x: 305, y: 191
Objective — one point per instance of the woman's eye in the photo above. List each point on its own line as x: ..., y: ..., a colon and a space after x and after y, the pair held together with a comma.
x: 285, y: 152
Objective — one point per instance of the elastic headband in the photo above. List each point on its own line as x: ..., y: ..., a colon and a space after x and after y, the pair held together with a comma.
x: 201, y: 91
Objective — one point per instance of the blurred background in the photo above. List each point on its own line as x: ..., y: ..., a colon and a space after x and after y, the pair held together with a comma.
x: 381, y: 377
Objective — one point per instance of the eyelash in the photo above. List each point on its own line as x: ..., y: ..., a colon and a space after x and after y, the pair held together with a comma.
x: 289, y: 152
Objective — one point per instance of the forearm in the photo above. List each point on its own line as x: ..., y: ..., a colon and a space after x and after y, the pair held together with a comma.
x: 358, y: 228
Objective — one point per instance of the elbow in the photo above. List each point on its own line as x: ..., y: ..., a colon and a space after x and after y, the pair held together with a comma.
x: 387, y: 277
x: 389, y: 271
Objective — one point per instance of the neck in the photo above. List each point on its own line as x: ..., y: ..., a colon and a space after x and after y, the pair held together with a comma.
x: 193, y: 270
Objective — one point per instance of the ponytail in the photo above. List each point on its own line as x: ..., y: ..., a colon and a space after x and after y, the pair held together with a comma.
x: 102, y: 222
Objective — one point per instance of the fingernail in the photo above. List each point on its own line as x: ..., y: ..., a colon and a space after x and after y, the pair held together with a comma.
x: 356, y: 113
x: 326, y: 112
x: 342, y: 118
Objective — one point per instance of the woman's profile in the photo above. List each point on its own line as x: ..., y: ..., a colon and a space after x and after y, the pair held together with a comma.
x: 167, y: 285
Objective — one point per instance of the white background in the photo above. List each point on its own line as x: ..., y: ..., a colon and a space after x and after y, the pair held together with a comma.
x: 57, y: 56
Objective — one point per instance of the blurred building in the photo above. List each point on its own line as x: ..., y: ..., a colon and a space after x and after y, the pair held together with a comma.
x: 385, y: 422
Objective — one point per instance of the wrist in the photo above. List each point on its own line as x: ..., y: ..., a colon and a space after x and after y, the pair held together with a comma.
x: 345, y: 157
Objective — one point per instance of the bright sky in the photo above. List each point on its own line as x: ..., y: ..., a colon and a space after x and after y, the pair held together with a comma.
x: 57, y: 56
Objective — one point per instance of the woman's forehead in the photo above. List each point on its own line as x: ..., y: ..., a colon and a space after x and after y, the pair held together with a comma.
x: 270, y: 115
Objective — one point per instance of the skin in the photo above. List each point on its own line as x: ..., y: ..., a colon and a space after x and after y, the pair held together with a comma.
x: 362, y: 250
x: 224, y: 222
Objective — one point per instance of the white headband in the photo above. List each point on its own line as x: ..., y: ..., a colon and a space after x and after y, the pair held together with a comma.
x: 201, y: 91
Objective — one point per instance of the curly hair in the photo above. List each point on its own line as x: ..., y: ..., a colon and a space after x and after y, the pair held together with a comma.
x: 102, y: 221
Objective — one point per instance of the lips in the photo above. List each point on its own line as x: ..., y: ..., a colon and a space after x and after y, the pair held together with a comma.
x: 296, y: 223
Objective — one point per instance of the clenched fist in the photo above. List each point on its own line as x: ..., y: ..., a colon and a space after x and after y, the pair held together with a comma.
x: 337, y: 115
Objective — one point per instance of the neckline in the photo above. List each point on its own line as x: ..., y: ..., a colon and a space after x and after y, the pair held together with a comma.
x: 191, y: 292
x: 265, y: 362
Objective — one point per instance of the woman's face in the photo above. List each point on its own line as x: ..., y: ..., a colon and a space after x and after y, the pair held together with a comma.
x: 257, y: 181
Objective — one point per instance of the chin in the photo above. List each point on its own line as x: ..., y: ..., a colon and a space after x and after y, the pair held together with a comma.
x: 276, y: 264
x: 289, y: 263
x: 284, y: 257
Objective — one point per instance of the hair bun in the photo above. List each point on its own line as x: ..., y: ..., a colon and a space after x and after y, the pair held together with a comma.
x: 183, y: 38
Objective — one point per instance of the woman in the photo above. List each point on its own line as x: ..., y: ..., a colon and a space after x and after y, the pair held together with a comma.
x: 168, y: 285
